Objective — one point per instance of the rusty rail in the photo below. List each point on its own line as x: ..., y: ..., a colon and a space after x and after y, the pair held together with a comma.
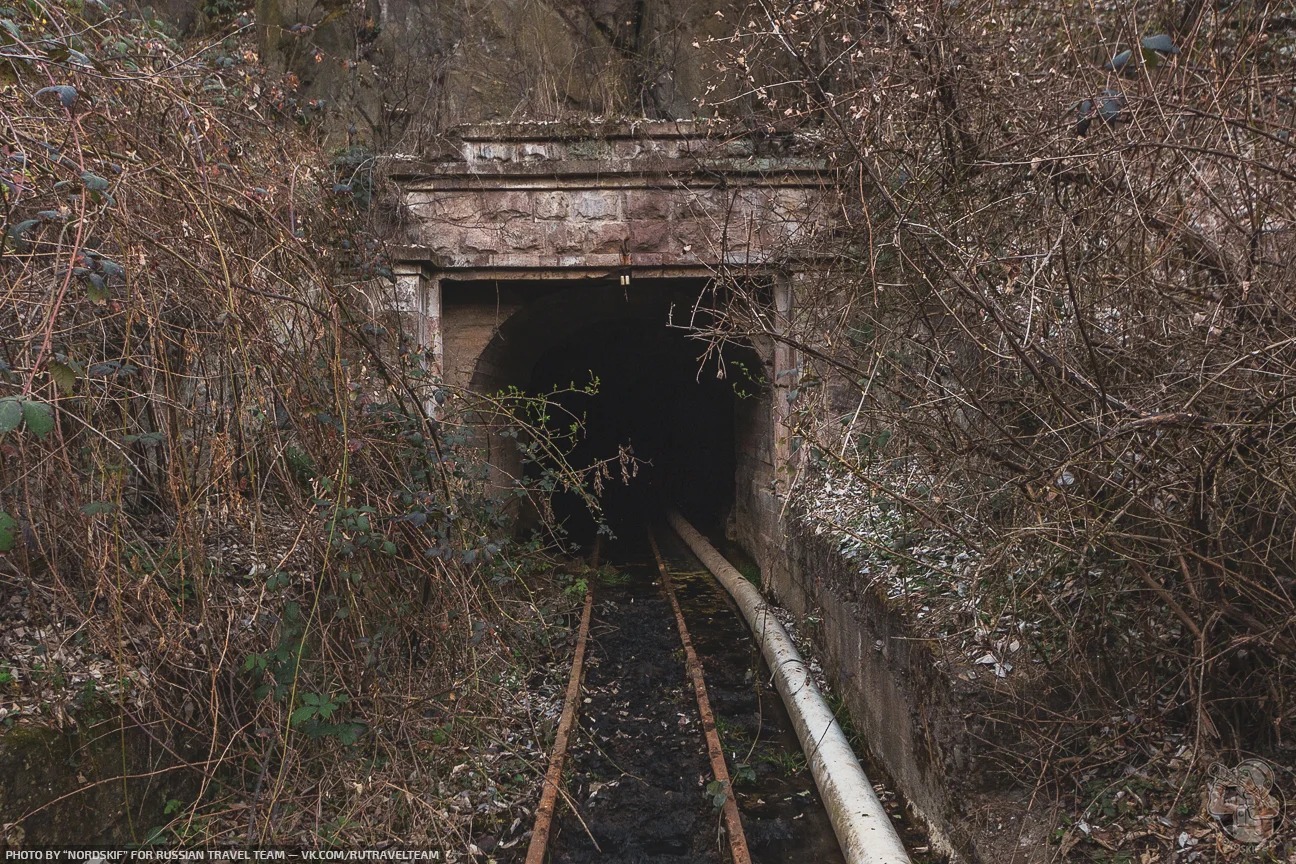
x: 545, y: 812
x: 553, y: 777
x: 733, y: 823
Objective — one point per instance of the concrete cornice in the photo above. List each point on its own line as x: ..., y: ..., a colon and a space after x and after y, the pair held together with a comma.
x: 656, y: 173
x: 668, y: 198
x: 562, y: 130
x: 649, y: 148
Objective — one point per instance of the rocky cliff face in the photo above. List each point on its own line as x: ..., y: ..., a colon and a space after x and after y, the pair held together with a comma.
x: 395, y: 73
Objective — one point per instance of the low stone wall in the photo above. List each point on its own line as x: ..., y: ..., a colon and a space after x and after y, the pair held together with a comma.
x: 920, y: 723
x: 96, y: 784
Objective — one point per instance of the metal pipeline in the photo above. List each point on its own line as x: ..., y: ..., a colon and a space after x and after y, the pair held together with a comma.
x: 863, y: 827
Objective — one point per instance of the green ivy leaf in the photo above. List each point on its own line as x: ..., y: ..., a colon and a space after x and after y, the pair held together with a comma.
x: 16, y: 234
x: 97, y: 290
x: 302, y: 714
x: 8, y: 531
x: 67, y: 94
x: 94, y: 182
x: 1161, y: 43
x: 64, y: 376
x: 11, y: 415
x: 349, y: 733
x: 718, y: 793
x: 39, y: 418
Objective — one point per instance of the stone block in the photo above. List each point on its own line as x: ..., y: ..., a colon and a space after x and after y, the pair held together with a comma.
x: 754, y: 200
x: 739, y: 147
x: 647, y: 235
x: 627, y: 149
x: 534, y: 152
x: 599, y: 237
x: 551, y: 205
x: 558, y: 239
x: 610, y: 237
x: 597, y: 204
x: 793, y: 203
x: 423, y: 213
x: 443, y: 239
x: 713, y: 205
x: 408, y: 292
x: 459, y: 207
x: 521, y: 236
x: 649, y: 204
x: 687, y: 233
x: 489, y: 152
x: 651, y: 259
x: 590, y: 150
x: 486, y: 239
x: 507, y: 205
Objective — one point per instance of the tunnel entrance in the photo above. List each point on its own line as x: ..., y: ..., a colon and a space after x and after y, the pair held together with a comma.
x: 657, y: 402
x: 664, y: 409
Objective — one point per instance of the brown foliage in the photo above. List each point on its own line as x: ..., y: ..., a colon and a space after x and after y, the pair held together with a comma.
x: 1061, y: 287
x: 240, y: 518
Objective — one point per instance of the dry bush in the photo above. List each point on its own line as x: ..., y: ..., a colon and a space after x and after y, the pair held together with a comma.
x: 1056, y: 320
x: 226, y: 512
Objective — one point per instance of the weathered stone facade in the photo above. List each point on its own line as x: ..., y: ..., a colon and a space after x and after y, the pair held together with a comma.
x: 529, y: 233
x: 628, y: 201
x: 656, y: 199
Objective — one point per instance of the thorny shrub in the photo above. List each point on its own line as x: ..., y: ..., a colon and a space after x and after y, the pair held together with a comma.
x: 1059, y: 296
x: 218, y: 472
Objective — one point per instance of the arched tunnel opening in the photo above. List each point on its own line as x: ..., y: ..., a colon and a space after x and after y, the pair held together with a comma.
x: 655, y: 404
x: 669, y: 413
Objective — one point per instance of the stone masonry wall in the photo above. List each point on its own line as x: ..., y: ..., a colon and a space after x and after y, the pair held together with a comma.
x: 652, y: 197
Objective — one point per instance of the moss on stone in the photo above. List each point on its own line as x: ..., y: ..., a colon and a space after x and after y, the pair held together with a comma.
x: 92, y: 784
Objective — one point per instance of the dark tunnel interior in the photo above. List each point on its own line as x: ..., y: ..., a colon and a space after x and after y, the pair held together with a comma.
x: 656, y: 400
x: 659, y: 394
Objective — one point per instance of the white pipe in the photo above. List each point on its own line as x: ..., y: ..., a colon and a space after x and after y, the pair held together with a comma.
x: 863, y: 827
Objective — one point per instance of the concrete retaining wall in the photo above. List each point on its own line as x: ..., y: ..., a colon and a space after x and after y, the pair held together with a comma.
x: 921, y: 724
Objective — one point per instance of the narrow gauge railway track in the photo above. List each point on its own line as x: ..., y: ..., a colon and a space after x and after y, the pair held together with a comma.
x: 641, y: 767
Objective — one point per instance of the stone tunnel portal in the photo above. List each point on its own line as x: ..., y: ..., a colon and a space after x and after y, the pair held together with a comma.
x: 520, y: 242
